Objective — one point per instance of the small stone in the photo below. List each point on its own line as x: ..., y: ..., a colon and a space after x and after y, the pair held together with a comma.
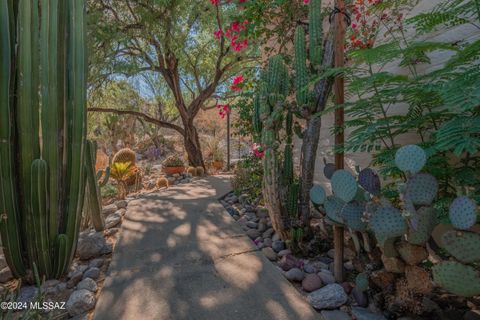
x: 347, y: 287
x: 5, y: 275
x: 107, y: 248
x: 111, y: 208
x: 335, y: 315
x: 121, y: 212
x: 80, y: 301
x: 418, y: 279
x: 243, y: 198
x: 97, y: 263
x: 91, y: 245
x: 288, y: 262
x: 326, y: 277
x: 314, y: 266
x: 88, y: 284
x: 276, y: 237
x: 111, y: 231
x: 74, y: 279
x: 365, y: 314
x: 329, y: 297
x: 121, y: 204
x: 295, y: 274
x: 360, y: 297
x: 284, y: 253
x: 412, y: 254
x: 311, y: 282
x: 252, y: 225
x: 267, y: 242
x: 348, y: 265
x: 253, y: 233
x: 382, y: 279
x: 278, y: 245
x: 268, y: 233
x: 93, y: 273
x: 261, y: 227
x: 269, y: 253
x: 112, y: 220
x: 394, y: 265
x: 331, y: 253
x: 262, y: 212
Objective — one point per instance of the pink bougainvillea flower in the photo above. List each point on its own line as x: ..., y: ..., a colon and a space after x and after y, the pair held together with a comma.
x: 224, y: 109
x: 257, y: 150
x: 215, y: 2
x: 354, y: 26
x: 238, y: 80
x: 218, y: 34
x: 306, y: 1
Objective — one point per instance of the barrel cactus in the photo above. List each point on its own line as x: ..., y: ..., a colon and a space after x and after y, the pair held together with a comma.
x: 125, y: 155
x: 42, y: 181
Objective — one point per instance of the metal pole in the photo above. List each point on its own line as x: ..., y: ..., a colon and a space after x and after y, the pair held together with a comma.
x: 228, y: 140
x: 338, y: 236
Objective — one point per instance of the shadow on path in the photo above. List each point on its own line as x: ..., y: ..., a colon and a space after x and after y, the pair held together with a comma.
x: 181, y: 256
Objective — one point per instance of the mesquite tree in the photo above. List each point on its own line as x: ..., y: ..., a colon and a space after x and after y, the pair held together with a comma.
x: 42, y: 132
x: 173, y: 39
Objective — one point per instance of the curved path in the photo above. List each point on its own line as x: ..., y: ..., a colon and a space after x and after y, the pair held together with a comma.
x: 181, y: 256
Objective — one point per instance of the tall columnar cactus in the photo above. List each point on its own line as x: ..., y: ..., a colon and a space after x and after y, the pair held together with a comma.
x: 315, y: 30
x: 42, y: 132
x: 93, y: 196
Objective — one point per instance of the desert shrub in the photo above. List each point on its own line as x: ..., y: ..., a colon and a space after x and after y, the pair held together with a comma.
x: 248, y: 175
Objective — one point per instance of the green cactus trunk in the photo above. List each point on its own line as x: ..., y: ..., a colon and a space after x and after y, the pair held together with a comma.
x: 315, y: 29
x: 43, y: 100
x: 93, y: 197
x: 301, y: 72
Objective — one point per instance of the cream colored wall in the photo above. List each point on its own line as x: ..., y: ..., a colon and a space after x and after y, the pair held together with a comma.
x: 325, y: 147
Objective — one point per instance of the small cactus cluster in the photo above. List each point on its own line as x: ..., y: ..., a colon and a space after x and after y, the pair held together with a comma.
x: 399, y: 232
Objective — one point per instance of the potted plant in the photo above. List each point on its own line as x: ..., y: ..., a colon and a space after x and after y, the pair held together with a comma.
x: 218, y: 160
x: 172, y: 165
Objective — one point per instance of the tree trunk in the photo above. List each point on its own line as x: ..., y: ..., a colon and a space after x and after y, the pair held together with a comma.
x: 311, y: 135
x: 193, y: 148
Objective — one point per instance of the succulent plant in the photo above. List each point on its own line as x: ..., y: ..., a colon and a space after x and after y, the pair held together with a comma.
x: 125, y: 155
x: 463, y: 245
x: 344, y: 185
x: 352, y: 214
x: 333, y: 207
x: 368, y: 179
x: 173, y: 161
x: 463, y: 213
x: 200, y: 171
x: 410, y: 158
x: 361, y: 281
x: 426, y: 220
x: 422, y: 189
x: 387, y: 222
x: 329, y: 170
x: 317, y: 194
x: 457, y: 278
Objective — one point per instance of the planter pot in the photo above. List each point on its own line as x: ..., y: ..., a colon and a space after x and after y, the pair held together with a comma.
x: 173, y: 170
x: 218, y: 165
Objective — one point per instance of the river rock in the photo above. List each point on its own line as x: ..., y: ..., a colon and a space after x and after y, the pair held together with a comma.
x: 278, y: 245
x: 365, y: 314
x: 288, y: 262
x: 113, y: 220
x: 88, y: 284
x: 253, y: 234
x: 80, y: 301
x: 329, y: 297
x: 311, y: 282
x: 93, y: 273
x: 111, y: 208
x: 295, y: 274
x: 327, y: 277
x: 121, y: 204
x: 90, y: 245
x: 335, y: 315
x: 269, y: 253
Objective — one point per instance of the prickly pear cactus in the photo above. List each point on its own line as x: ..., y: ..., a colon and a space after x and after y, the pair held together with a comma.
x: 344, y: 185
x: 462, y: 245
x: 329, y: 170
x: 457, y: 278
x: 462, y: 213
x: 361, y: 281
x: 317, y: 194
x: 410, y: 158
x: 352, y: 214
x: 422, y: 189
x: 333, y: 207
x: 387, y: 222
x: 368, y: 179
x: 426, y: 220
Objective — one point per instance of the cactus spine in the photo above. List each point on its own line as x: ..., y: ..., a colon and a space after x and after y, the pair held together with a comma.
x: 42, y: 181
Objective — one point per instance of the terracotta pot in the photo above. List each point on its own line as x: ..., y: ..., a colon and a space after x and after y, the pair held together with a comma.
x: 173, y: 170
x: 218, y: 165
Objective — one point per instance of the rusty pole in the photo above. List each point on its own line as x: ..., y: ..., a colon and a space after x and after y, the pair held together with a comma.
x: 338, y: 231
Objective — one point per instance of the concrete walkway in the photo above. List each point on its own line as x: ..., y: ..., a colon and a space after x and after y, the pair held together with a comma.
x: 181, y: 256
